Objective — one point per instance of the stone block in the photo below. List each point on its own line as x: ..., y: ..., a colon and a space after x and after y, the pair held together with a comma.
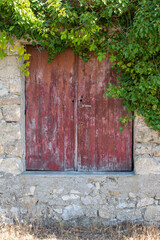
x: 10, y: 131
x: 11, y: 113
x: 9, y: 72
x: 132, y: 196
x: 145, y: 202
x: 10, y: 100
x: 142, y: 148
x: 13, y: 61
x: 91, y: 211
x: 15, y: 86
x: 70, y: 197
x: 120, y: 197
x: 53, y: 202
x: 74, y: 191
x: 107, y: 212
x: 129, y: 215
x: 147, y: 166
x: 145, y: 135
x: 72, y: 211
x: 13, y: 149
x: 152, y: 214
x: 4, y: 89
x: 58, y: 191
x: 88, y: 200
x: 11, y: 165
x: 125, y: 205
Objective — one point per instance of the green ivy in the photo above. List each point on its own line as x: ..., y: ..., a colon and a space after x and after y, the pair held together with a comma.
x: 129, y: 30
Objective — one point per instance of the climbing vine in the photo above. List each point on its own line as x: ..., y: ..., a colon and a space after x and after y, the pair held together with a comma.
x: 129, y: 30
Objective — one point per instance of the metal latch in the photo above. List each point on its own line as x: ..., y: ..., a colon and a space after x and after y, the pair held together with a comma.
x: 87, y: 106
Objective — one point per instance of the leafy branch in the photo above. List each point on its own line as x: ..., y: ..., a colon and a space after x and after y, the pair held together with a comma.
x: 129, y: 30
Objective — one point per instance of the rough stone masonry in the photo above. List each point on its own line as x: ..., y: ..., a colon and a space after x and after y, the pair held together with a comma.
x: 100, y: 198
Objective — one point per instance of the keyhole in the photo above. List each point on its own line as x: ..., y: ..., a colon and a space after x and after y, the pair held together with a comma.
x: 72, y: 100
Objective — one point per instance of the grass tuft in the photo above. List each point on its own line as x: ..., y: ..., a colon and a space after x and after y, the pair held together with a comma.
x: 125, y: 231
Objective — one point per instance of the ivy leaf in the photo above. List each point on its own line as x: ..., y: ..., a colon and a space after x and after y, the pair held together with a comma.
x: 121, y: 129
x: 11, y: 28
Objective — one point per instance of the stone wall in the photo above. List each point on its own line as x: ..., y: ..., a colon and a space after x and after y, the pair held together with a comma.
x: 106, y: 198
x: 11, y: 134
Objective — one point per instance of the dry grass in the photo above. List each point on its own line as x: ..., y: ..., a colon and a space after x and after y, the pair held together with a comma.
x: 59, y: 232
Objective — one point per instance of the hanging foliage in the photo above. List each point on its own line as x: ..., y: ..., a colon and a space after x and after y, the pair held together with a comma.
x: 127, y: 29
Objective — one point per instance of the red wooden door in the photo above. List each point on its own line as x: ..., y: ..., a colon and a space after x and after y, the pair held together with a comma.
x: 70, y: 124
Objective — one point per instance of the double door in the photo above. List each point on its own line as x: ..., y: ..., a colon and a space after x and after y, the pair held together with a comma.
x: 70, y: 124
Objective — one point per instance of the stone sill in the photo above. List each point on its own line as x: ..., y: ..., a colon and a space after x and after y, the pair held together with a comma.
x: 72, y: 173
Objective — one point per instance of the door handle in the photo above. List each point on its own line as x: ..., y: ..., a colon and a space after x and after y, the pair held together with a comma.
x: 86, y: 106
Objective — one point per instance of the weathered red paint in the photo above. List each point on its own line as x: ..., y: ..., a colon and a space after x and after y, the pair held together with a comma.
x: 70, y: 124
x: 101, y: 146
x: 50, y: 112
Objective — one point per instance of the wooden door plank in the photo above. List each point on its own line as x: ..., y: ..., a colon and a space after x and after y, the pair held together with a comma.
x: 102, y: 147
x: 126, y: 144
x: 49, y: 112
x: 67, y: 62
x: 102, y: 116
x: 112, y: 158
x: 86, y: 116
